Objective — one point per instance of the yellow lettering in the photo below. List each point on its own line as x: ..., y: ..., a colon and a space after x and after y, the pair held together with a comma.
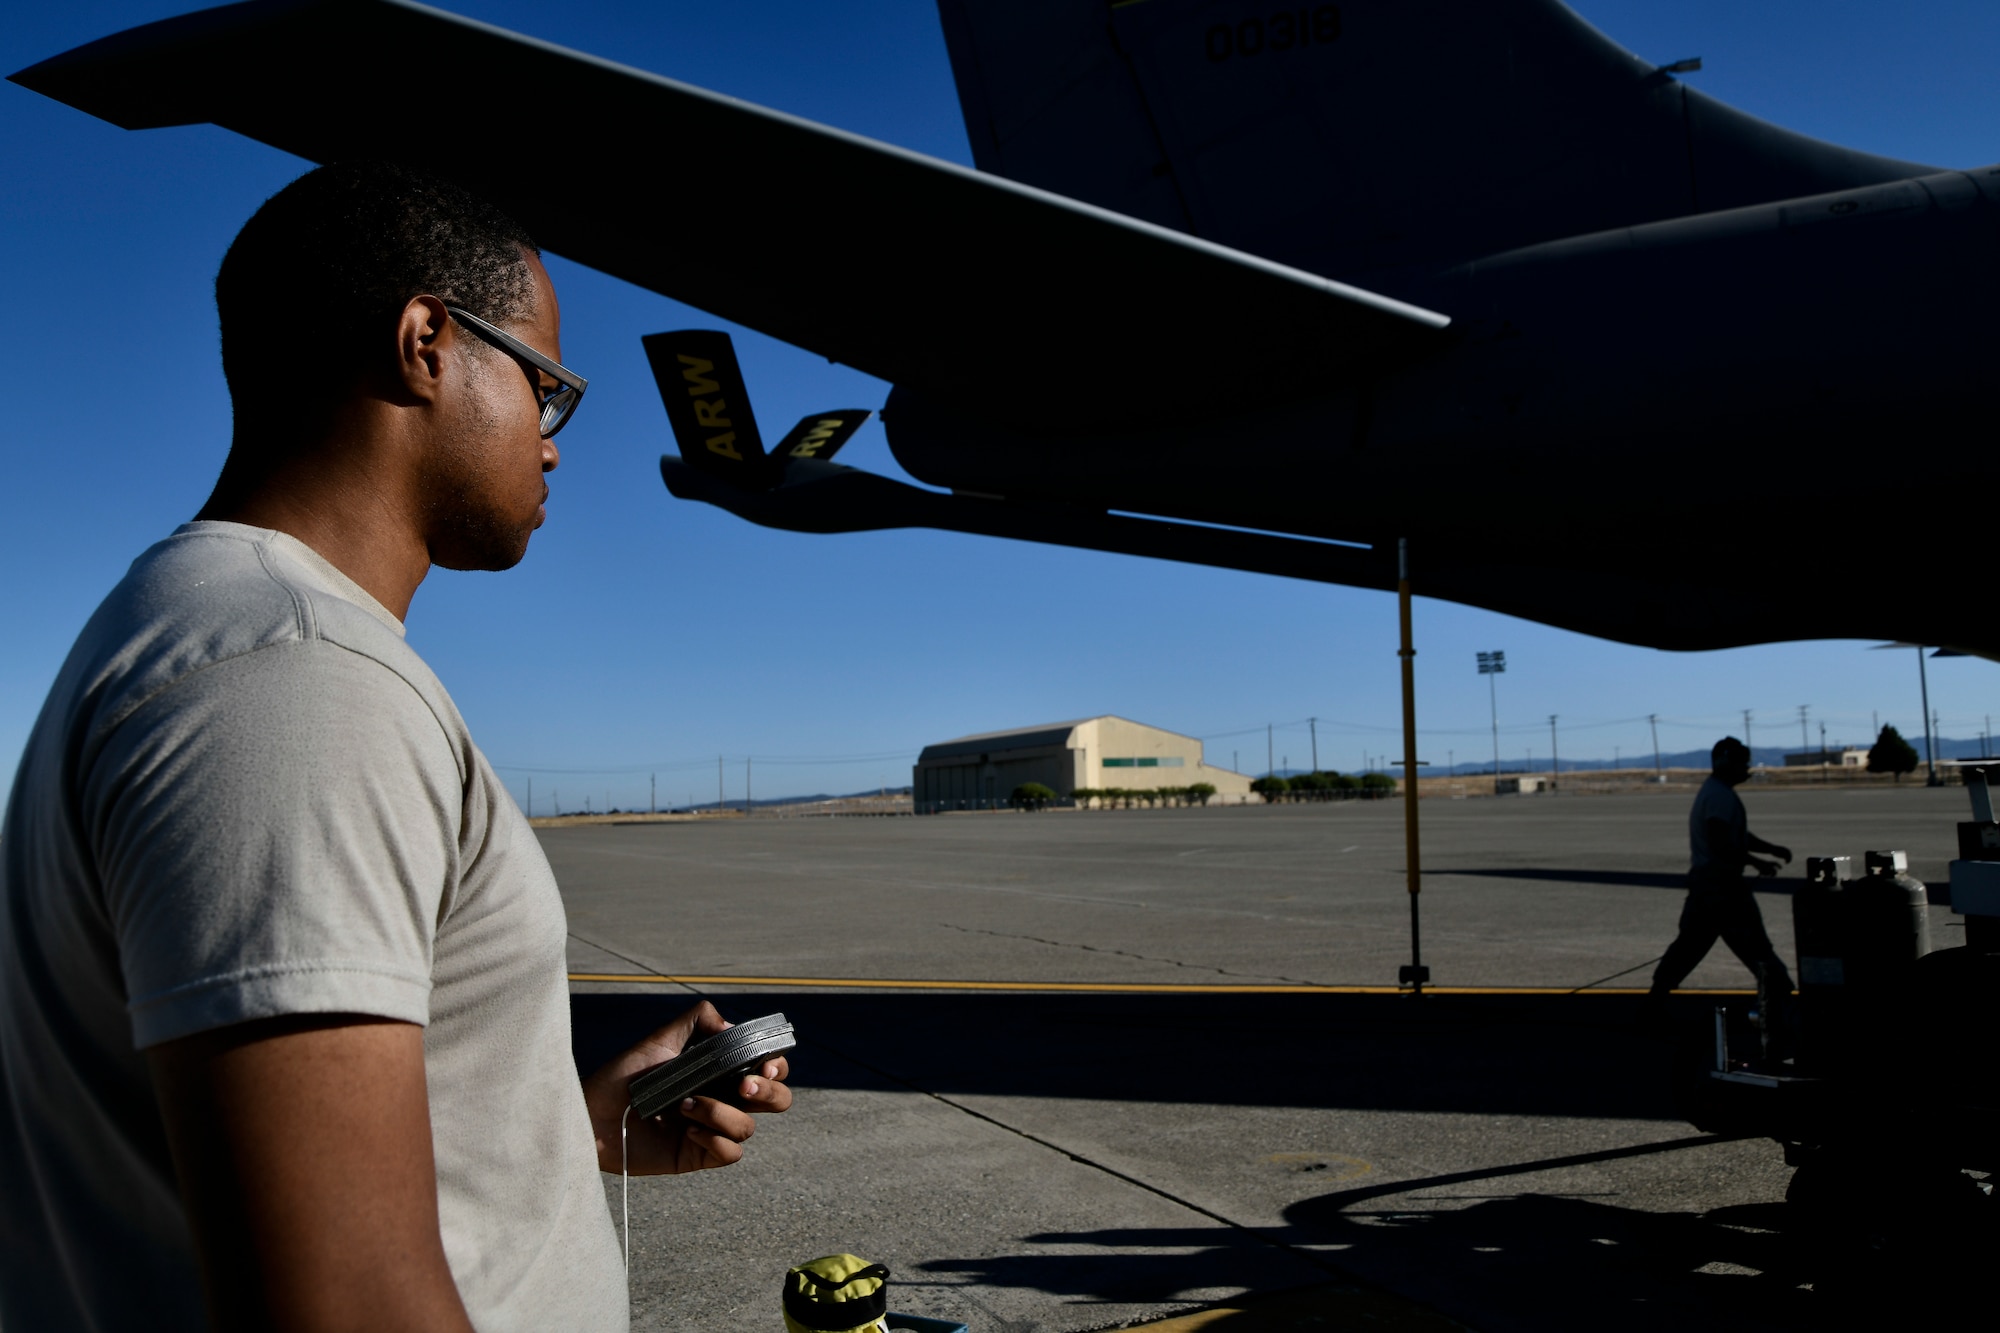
x: 696, y: 370
x: 710, y: 414
x: 809, y: 446
x: 725, y: 445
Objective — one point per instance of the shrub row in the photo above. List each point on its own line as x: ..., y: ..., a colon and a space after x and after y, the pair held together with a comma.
x: 1324, y: 787
x: 1195, y: 793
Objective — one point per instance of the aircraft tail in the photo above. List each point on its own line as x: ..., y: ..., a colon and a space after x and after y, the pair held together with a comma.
x: 708, y: 406
x: 1364, y: 138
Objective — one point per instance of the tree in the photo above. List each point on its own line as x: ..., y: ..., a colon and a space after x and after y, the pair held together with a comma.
x: 1312, y: 786
x: 1271, y: 789
x: 1377, y: 785
x: 1083, y: 796
x: 1200, y: 791
x: 1892, y: 754
x: 1031, y: 796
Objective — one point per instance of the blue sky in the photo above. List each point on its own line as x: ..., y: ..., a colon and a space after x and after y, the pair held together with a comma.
x: 646, y: 635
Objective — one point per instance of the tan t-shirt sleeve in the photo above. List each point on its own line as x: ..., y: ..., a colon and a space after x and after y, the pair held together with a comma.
x: 280, y: 838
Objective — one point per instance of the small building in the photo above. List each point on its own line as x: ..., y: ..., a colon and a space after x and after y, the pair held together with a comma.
x: 1521, y: 784
x: 1848, y: 758
x: 980, y: 772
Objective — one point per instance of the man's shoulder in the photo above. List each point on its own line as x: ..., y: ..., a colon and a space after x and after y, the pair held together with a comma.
x: 214, y: 592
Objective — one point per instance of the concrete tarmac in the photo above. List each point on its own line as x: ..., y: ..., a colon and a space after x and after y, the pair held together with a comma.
x: 1061, y: 1160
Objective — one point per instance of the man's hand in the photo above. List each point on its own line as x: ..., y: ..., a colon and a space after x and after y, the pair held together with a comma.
x: 703, y: 1132
x: 303, y: 1149
x: 1768, y: 869
x: 1757, y: 844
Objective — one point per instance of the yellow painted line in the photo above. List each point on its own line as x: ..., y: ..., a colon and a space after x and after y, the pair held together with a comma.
x: 1110, y: 987
x: 1310, y: 1311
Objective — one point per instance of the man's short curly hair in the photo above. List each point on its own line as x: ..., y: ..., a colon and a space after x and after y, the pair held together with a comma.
x: 339, y: 252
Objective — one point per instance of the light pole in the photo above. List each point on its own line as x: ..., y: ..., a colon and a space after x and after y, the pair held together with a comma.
x: 1804, y: 744
x: 1313, y: 722
x: 1491, y: 665
x: 1555, y: 764
x: 1653, y: 720
x: 1746, y: 737
x: 1930, y: 755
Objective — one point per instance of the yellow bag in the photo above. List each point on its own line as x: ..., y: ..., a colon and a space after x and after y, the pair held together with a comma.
x: 836, y: 1294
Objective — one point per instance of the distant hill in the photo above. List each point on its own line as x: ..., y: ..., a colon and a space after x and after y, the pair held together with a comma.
x: 777, y: 801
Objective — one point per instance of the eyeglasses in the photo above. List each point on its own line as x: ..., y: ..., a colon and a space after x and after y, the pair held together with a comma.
x: 559, y: 403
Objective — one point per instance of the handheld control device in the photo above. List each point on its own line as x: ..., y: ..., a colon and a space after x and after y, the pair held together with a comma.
x: 711, y: 1066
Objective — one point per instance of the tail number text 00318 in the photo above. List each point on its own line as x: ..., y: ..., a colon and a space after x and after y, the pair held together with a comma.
x: 1280, y: 32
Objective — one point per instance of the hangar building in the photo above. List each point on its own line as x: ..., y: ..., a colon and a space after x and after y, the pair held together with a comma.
x: 979, y: 772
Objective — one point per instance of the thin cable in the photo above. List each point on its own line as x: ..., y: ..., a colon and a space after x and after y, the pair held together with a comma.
x: 625, y: 1190
x: 1615, y: 975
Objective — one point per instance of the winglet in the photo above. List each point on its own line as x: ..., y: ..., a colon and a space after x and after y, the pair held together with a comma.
x: 708, y: 405
x: 820, y: 434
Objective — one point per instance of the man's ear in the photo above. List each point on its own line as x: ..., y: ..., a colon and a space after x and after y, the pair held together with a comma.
x: 424, y: 335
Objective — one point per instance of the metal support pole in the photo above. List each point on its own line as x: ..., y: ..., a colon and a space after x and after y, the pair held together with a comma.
x: 1555, y: 763
x: 1313, y: 722
x: 1653, y: 719
x: 1416, y: 974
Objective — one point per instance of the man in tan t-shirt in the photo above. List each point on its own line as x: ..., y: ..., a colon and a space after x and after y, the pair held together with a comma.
x: 284, y: 1031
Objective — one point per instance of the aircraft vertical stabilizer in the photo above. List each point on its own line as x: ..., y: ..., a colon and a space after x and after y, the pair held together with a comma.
x: 1365, y: 138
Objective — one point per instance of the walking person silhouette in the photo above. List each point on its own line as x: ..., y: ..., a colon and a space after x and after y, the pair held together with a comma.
x: 1719, y: 903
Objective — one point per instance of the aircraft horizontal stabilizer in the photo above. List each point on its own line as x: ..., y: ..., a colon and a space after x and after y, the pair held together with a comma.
x: 927, y: 273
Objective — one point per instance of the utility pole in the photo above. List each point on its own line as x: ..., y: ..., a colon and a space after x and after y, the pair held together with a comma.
x: 1930, y: 756
x: 1235, y: 761
x: 718, y: 784
x: 1555, y: 764
x: 653, y: 795
x: 1804, y: 744
x: 1746, y: 737
x: 1313, y: 722
x: 1270, y: 753
x: 1614, y: 759
x: 1451, y: 763
x: 558, y: 801
x: 1653, y: 720
x: 1822, y: 752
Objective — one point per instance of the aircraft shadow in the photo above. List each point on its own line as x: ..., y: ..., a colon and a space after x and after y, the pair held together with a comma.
x: 1617, y: 879
x: 1516, y: 1055
x: 1506, y: 1261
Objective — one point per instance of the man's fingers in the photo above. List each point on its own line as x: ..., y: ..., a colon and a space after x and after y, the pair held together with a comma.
x: 778, y: 1068
x: 719, y: 1117
x: 721, y: 1150
x: 762, y: 1095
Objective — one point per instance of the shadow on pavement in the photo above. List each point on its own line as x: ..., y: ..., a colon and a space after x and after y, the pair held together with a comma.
x: 1617, y: 879
x: 1503, y: 1263
x: 1571, y: 1055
